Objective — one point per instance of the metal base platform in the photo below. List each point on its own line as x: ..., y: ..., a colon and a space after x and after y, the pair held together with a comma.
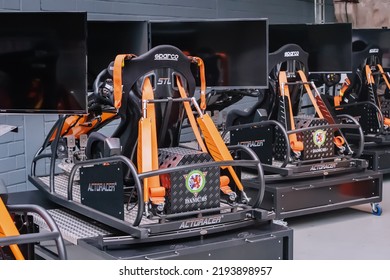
x: 90, y: 240
x: 319, y: 169
x: 194, y: 223
x: 378, y: 158
x: 378, y: 139
x: 268, y: 241
x: 301, y: 197
x: 383, y: 139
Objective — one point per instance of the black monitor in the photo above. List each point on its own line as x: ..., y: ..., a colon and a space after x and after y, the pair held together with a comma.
x: 363, y: 38
x: 43, y: 62
x: 106, y: 39
x: 284, y: 34
x: 329, y: 45
x: 235, y: 52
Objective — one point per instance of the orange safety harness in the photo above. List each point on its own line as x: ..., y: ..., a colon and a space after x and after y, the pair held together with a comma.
x: 295, y: 144
x: 318, y: 104
x: 147, y: 150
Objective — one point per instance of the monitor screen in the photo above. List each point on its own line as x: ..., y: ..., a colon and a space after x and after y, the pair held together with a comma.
x: 284, y: 34
x: 329, y: 45
x: 106, y: 39
x: 235, y: 52
x: 362, y: 38
x: 43, y: 62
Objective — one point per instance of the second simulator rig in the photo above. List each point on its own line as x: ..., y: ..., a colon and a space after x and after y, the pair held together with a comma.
x: 310, y: 165
x: 365, y: 95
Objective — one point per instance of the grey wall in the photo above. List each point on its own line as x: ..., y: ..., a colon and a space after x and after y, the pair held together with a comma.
x: 283, y: 11
x: 17, y: 149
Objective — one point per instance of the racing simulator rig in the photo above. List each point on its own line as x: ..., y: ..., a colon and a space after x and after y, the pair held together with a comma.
x: 309, y: 162
x: 140, y: 193
x: 366, y: 90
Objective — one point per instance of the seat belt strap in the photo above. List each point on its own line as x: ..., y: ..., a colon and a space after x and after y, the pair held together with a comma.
x: 117, y: 77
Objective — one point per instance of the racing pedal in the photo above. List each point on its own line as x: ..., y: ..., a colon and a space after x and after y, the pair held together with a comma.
x: 83, y: 146
x: 71, y: 144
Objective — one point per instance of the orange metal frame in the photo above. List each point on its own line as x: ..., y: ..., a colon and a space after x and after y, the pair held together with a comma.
x: 8, y: 228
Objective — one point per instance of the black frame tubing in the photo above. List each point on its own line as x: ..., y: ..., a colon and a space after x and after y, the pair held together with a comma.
x: 54, y: 233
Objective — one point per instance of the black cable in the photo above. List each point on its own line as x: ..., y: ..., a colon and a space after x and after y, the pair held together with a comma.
x: 128, y: 207
x: 2, y: 254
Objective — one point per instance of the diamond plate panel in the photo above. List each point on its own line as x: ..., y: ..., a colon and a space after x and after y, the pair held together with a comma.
x: 180, y: 195
x: 71, y: 227
x: 318, y: 143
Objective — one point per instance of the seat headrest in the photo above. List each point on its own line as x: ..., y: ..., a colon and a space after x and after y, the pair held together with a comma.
x: 163, y: 56
x: 290, y: 52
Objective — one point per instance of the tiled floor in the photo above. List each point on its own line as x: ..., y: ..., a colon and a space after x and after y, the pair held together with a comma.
x: 351, y: 233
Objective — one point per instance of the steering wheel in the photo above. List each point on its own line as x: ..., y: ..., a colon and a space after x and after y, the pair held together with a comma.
x: 218, y: 100
x: 103, y: 91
